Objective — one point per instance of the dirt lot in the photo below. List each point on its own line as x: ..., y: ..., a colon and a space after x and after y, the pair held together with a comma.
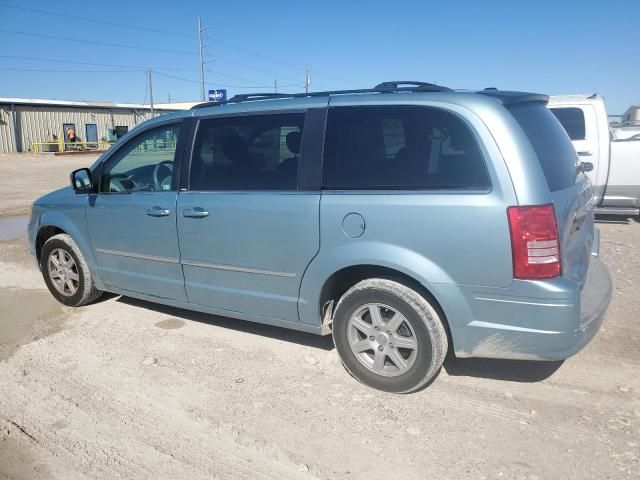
x: 125, y: 389
x: 25, y: 177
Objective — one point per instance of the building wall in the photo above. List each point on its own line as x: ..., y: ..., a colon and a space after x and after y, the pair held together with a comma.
x: 6, y: 130
x: 632, y: 114
x: 41, y: 123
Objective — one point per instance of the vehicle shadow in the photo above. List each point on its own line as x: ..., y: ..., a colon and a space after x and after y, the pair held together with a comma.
x: 615, y: 219
x: 521, y: 371
x: 277, y: 333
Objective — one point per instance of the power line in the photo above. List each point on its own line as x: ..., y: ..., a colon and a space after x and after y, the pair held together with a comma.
x: 94, y: 64
x: 274, y: 60
x: 39, y: 70
x: 92, y: 42
x: 167, y: 32
x: 11, y: 69
x: 257, y: 69
x: 208, y: 84
x: 245, y: 79
x: 235, y: 77
x: 202, y: 29
x: 270, y: 72
x: 101, y: 22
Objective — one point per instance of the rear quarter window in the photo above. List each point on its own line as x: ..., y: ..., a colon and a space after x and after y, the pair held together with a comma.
x: 550, y: 141
x: 401, y: 147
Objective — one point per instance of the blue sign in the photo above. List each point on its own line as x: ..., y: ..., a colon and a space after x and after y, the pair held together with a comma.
x: 217, y: 95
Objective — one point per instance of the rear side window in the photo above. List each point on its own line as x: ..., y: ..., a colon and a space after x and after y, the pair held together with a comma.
x: 553, y: 148
x: 572, y: 119
x: 400, y: 147
x: 257, y: 152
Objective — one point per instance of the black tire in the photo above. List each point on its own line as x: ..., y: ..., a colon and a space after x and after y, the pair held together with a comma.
x: 428, y: 332
x: 86, y: 289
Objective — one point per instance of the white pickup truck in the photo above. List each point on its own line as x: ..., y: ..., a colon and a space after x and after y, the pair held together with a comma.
x: 614, y: 156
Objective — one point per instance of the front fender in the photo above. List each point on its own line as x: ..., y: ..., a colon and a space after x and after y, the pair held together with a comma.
x: 380, y: 254
x: 72, y: 222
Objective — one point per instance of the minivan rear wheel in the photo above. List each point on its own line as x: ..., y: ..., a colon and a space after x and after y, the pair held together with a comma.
x: 388, y: 336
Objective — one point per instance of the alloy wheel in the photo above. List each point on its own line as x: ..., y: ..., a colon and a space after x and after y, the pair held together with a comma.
x: 382, y: 339
x: 63, y: 272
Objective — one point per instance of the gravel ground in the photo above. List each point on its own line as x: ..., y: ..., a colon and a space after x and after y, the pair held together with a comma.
x: 25, y: 177
x: 126, y: 389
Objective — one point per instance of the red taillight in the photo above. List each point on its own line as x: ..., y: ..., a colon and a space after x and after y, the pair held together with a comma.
x: 534, y: 242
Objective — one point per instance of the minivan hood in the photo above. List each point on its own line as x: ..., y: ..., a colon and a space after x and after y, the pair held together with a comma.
x: 55, y: 197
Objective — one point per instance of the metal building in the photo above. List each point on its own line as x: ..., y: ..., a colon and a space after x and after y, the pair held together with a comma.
x: 27, y: 122
x: 632, y: 115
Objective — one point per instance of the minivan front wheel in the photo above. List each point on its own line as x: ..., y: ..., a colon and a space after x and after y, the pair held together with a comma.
x: 389, y: 336
x: 66, y: 273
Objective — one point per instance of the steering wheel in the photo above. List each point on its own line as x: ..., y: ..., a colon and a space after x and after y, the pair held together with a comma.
x: 121, y: 183
x: 157, y: 183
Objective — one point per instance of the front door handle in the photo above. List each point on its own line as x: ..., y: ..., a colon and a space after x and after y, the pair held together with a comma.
x: 196, y: 212
x: 158, y: 212
x: 585, y: 154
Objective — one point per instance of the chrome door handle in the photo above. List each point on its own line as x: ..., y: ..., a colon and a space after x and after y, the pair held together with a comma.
x: 196, y: 212
x: 158, y: 212
x: 585, y: 153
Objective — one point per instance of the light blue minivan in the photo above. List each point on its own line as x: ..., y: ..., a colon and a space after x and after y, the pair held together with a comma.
x: 406, y: 220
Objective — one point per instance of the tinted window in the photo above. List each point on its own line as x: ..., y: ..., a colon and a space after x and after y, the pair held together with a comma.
x: 572, y: 119
x: 400, y: 147
x: 143, y: 164
x: 258, y: 152
x: 555, y: 151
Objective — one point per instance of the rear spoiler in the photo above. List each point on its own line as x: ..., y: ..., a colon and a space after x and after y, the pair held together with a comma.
x: 510, y: 98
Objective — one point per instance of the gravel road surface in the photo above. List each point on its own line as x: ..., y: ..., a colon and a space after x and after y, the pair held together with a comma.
x: 127, y: 389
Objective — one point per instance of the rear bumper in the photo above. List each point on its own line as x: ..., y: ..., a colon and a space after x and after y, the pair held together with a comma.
x: 594, y: 301
x: 547, y: 320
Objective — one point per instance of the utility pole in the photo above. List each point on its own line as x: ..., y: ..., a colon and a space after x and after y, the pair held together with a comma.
x: 307, y: 80
x: 275, y: 85
x: 202, y: 46
x: 201, y: 59
x: 150, y: 91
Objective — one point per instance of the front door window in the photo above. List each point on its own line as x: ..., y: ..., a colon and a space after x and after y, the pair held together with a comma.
x: 145, y: 164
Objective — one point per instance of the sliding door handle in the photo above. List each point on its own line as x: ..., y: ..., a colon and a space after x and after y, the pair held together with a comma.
x: 196, y: 212
x: 158, y: 212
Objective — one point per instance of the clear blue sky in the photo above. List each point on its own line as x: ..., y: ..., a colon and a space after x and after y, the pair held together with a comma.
x: 545, y: 46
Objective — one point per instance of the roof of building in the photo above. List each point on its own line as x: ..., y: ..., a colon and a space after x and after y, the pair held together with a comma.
x: 578, y: 96
x: 80, y: 103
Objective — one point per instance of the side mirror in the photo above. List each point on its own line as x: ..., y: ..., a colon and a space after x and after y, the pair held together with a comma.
x: 81, y: 181
x: 584, y: 167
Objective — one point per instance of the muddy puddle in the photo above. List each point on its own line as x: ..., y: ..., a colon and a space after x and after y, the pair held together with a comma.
x: 26, y: 315
x: 12, y: 228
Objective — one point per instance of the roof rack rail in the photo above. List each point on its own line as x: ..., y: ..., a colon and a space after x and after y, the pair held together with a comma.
x: 384, y: 87
x: 243, y: 97
x: 414, y: 86
x: 205, y: 104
